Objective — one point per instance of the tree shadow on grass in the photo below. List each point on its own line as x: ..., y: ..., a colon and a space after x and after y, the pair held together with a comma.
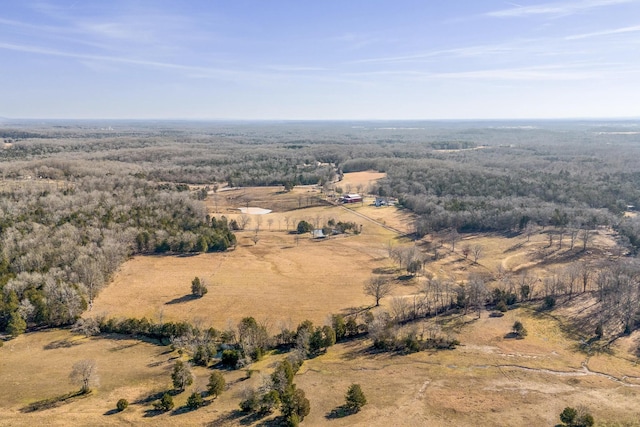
x: 188, y: 254
x: 124, y: 346
x: 278, y: 421
x: 182, y: 410
x: 65, y: 343
x: 512, y: 336
x: 386, y: 270
x: 53, y: 402
x: 153, y: 412
x: 155, y: 396
x: 226, y: 419
x: 185, y: 409
x: 111, y: 412
x: 339, y: 412
x: 237, y: 417
x: 185, y: 298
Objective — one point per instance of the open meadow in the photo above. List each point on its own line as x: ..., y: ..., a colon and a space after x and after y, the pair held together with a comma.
x: 489, y: 380
x: 283, y: 279
x: 96, y: 237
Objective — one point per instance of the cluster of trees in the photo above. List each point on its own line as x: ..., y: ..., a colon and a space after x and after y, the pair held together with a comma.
x: 60, y: 244
x: 329, y: 228
x: 182, y: 377
x: 576, y: 417
x: 279, y: 392
x: 388, y: 334
x: 79, y: 200
x: 615, y: 284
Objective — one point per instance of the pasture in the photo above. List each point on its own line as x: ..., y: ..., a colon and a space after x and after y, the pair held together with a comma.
x: 282, y: 279
x: 489, y: 380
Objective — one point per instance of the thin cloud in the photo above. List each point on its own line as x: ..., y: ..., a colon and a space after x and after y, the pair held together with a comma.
x: 294, y: 68
x: 554, y: 9
x: 554, y: 72
x: 470, y: 51
x: 189, y: 71
x: 123, y: 60
x: 525, y: 74
x: 622, y: 30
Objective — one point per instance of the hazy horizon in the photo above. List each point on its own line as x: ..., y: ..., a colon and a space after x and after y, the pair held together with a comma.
x: 334, y: 60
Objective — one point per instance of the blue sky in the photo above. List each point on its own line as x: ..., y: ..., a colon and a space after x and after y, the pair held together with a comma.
x: 329, y: 59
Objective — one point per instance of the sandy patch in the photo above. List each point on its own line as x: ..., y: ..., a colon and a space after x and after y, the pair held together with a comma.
x: 255, y: 211
x: 359, y: 181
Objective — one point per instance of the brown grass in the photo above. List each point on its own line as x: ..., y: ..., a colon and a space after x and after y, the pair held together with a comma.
x: 36, y: 366
x: 277, y: 280
x: 490, y: 380
x: 359, y: 181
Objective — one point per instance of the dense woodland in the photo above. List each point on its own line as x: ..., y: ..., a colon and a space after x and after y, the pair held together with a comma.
x: 78, y: 198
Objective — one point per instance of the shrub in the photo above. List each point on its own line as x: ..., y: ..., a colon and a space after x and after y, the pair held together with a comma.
x: 181, y: 375
x: 204, y: 354
x: 501, y: 306
x: 230, y: 358
x: 304, y: 227
x: 519, y: 329
x: 549, y: 302
x: 16, y: 325
x: 355, y: 399
x: 198, y: 287
x: 195, y: 400
x: 251, y: 403
x: 580, y: 417
x: 165, y: 403
x: 122, y: 404
x: 216, y: 384
x: 293, y: 420
x: 269, y: 402
x: 599, y: 331
x: 294, y: 403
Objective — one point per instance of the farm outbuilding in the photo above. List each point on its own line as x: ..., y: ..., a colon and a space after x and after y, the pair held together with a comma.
x: 318, y: 234
x: 351, y: 198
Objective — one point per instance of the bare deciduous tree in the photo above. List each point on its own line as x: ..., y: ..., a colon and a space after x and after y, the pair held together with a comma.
x: 466, y: 250
x: 477, y: 290
x: 85, y: 374
x: 255, y: 238
x: 477, y: 253
x: 378, y: 287
x: 244, y: 220
x: 453, y: 237
x: 181, y: 375
x: 529, y: 229
x: 586, y: 238
x: 573, y: 235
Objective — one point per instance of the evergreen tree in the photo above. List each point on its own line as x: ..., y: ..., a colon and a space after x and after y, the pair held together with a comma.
x: 195, y: 400
x: 181, y: 375
x: 216, y: 384
x: 16, y: 325
x: 355, y: 399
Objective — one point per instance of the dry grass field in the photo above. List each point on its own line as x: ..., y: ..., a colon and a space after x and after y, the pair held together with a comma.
x: 36, y: 366
x: 276, y: 280
x: 359, y: 181
x: 490, y: 380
